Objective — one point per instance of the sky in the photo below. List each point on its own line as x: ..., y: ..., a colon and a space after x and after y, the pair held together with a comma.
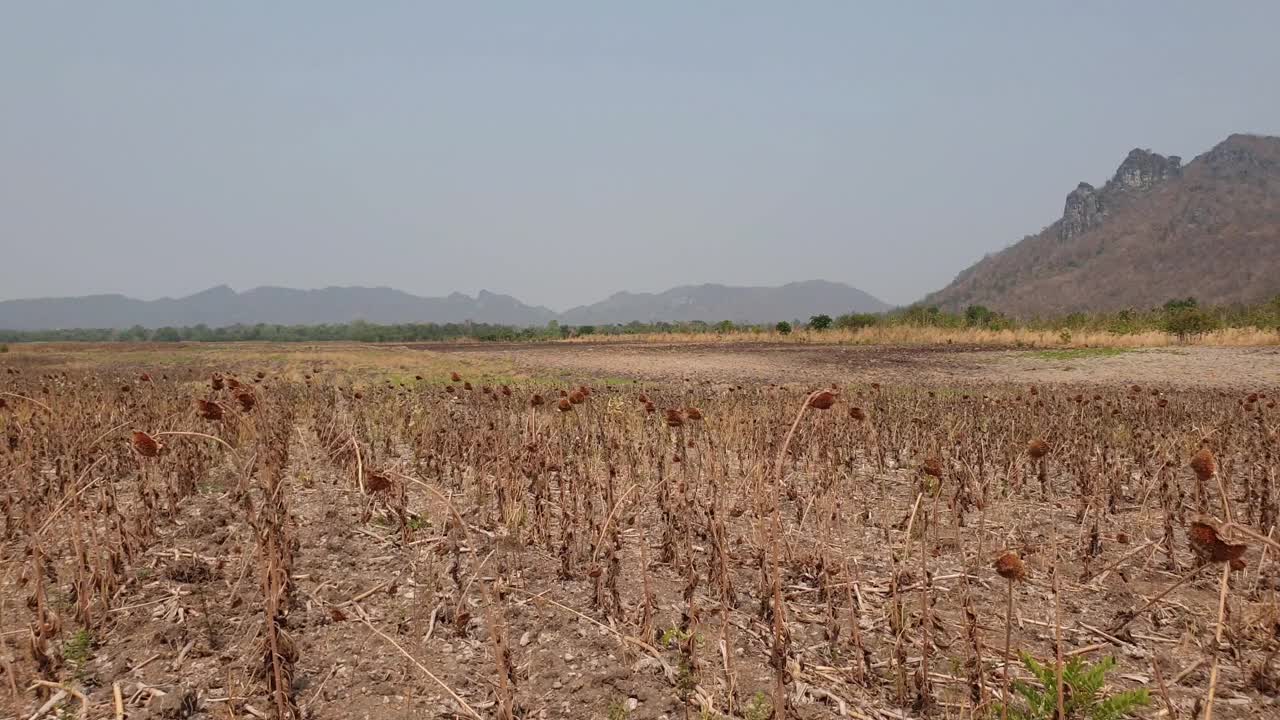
x: 563, y: 151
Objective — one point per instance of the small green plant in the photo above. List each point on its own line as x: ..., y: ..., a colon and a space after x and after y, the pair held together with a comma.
x: 618, y: 710
x: 783, y: 328
x: 674, y: 636
x: 78, y: 649
x: 759, y: 708
x: 1084, y: 697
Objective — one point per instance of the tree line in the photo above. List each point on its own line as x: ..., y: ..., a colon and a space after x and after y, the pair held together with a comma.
x: 1184, y: 317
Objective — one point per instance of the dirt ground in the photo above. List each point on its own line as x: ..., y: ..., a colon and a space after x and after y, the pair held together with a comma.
x: 1218, y: 367
x: 374, y: 608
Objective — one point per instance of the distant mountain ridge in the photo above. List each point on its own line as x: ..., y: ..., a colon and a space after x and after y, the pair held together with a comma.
x: 1157, y: 230
x: 721, y: 302
x: 222, y: 306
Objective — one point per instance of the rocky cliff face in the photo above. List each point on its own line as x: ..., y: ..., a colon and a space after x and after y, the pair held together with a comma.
x: 1154, y: 231
x: 1143, y: 170
x: 1083, y: 211
x: 1087, y: 206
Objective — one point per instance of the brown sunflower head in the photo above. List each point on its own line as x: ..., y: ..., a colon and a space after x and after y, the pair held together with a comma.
x: 1011, y: 567
x: 823, y: 400
x: 1209, y: 546
x: 376, y: 482
x: 932, y: 466
x: 209, y: 409
x: 1204, y: 464
x: 145, y: 445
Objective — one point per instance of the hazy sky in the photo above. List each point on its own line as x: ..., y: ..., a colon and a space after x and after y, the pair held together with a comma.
x: 562, y: 151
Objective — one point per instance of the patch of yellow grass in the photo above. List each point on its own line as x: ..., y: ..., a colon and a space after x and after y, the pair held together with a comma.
x: 913, y: 335
x: 346, y: 361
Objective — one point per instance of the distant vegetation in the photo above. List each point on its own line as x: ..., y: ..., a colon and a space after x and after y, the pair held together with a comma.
x: 1182, y: 319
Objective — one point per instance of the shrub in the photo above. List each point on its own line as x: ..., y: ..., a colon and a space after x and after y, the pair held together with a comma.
x: 1187, y: 322
x: 783, y: 328
x: 978, y: 315
x: 820, y: 322
x: 855, y: 321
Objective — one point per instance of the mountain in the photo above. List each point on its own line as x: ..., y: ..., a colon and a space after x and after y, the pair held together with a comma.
x: 713, y: 303
x: 1157, y: 230
x: 221, y: 306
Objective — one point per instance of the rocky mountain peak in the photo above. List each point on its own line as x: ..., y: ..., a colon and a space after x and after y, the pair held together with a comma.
x: 1084, y: 210
x: 1087, y: 206
x: 1143, y: 170
x: 1155, y: 230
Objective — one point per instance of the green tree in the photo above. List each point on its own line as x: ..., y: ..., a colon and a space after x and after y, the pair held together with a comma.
x: 783, y: 328
x: 1188, y: 321
x: 166, y: 334
x: 978, y: 315
x: 854, y: 321
x: 820, y: 322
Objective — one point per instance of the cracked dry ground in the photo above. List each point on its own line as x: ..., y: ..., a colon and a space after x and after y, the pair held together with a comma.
x: 429, y: 550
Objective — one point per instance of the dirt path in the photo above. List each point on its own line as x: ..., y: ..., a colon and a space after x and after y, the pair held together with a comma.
x: 1180, y: 367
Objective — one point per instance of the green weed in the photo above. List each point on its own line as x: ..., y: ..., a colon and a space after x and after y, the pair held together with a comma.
x: 1085, y: 695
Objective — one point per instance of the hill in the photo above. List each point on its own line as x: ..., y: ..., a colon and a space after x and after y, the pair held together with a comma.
x: 713, y: 303
x: 1156, y: 230
x: 221, y: 306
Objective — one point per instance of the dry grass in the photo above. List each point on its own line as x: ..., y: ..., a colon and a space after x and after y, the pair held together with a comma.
x: 910, y: 335
x: 344, y: 362
x: 702, y: 550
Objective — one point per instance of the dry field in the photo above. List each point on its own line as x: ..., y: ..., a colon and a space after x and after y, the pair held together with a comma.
x: 633, y: 531
x: 735, y: 362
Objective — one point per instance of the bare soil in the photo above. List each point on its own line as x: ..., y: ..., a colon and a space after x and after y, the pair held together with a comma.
x: 1190, y: 367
